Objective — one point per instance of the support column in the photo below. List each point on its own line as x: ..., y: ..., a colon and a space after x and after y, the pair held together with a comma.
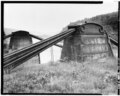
x: 39, y: 58
x: 52, y: 55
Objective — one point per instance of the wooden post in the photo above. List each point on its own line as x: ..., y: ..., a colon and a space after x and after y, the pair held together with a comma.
x: 52, y: 55
x: 39, y: 58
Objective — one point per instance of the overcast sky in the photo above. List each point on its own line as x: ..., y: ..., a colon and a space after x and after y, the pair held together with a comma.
x: 49, y: 19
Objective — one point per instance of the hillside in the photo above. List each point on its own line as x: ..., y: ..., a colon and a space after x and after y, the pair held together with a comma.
x: 108, y: 21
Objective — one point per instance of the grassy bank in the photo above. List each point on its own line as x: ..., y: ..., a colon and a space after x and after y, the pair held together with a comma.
x: 98, y: 76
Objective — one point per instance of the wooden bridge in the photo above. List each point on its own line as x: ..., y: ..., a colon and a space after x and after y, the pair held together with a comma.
x: 14, y: 59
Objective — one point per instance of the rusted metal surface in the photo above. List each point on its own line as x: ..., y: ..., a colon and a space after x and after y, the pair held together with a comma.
x: 82, y: 42
x: 17, y: 57
x: 39, y: 38
x: 89, y: 42
x: 19, y: 39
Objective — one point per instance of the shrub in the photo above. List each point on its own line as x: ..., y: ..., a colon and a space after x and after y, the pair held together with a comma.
x: 98, y: 76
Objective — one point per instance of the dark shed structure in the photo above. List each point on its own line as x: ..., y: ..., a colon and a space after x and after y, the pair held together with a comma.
x: 89, y: 42
x: 19, y: 39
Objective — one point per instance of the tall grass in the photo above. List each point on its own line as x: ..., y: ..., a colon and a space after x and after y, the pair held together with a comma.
x: 99, y: 76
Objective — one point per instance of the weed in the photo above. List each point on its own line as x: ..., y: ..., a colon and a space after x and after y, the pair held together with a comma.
x: 98, y: 76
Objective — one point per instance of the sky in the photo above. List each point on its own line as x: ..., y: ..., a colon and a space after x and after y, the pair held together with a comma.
x: 50, y: 19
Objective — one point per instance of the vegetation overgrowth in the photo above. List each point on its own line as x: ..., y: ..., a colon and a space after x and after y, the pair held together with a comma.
x: 98, y: 76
